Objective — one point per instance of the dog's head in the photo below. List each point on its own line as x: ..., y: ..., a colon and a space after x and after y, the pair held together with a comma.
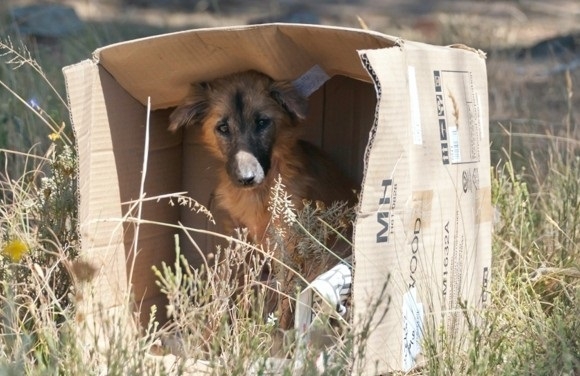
x: 242, y: 117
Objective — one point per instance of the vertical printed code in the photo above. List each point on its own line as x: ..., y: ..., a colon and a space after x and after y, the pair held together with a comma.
x: 454, y: 145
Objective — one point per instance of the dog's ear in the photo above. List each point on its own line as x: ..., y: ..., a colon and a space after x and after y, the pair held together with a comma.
x: 193, y: 110
x: 284, y: 93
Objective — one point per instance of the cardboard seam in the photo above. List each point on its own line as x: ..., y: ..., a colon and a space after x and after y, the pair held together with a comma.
x: 76, y: 144
x: 378, y: 90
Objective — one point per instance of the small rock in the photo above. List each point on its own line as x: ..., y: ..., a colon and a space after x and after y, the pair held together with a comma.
x: 46, y: 20
x: 298, y: 16
x: 561, y: 46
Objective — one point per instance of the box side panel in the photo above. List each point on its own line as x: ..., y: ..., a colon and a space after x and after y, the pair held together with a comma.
x: 99, y: 197
x: 348, y: 117
x: 340, y: 117
x: 424, y: 218
x: 110, y: 127
x: 127, y: 120
x: 454, y: 167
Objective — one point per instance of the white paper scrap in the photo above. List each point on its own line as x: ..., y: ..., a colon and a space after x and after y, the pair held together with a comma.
x: 412, y: 328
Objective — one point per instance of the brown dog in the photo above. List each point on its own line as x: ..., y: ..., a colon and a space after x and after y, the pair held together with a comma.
x: 251, y: 123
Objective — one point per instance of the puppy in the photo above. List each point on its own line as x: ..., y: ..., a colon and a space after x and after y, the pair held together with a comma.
x: 251, y: 123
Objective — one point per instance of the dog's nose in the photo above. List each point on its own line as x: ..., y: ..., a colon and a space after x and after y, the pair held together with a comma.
x: 247, y: 180
x: 246, y: 170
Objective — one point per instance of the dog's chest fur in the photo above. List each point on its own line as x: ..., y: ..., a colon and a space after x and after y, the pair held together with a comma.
x: 305, y: 175
x: 249, y: 207
x: 246, y: 207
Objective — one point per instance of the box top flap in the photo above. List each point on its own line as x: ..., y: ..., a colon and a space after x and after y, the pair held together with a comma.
x: 162, y: 67
x: 426, y: 180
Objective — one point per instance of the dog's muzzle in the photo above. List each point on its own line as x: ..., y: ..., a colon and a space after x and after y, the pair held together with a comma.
x: 247, y: 170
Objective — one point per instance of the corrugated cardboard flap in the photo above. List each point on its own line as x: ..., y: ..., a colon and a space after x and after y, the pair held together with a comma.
x: 163, y: 67
x: 422, y: 226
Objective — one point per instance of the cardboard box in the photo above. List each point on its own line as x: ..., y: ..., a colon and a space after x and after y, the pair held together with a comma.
x: 407, y: 120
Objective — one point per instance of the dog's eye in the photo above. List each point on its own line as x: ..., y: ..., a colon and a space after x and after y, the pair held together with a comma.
x: 262, y: 123
x: 223, y: 128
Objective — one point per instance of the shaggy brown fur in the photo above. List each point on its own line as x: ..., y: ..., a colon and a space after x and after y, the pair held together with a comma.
x: 240, y: 101
x: 251, y: 123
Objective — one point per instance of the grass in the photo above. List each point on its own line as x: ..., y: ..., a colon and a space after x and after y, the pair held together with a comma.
x: 530, y: 327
